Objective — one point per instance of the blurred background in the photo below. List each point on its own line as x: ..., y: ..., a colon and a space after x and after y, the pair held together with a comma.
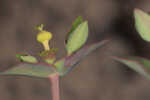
x: 97, y: 77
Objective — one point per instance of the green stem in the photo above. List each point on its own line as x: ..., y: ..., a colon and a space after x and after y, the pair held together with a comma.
x: 54, y: 79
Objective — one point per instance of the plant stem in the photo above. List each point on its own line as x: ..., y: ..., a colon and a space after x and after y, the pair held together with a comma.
x: 54, y: 79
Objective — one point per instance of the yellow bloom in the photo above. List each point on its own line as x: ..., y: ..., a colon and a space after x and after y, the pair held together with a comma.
x: 44, y: 37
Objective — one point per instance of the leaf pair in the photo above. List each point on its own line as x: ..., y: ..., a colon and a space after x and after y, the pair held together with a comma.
x: 75, y: 40
x: 139, y: 64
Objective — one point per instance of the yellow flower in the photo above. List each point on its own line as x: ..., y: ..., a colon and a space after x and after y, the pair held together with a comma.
x: 44, y: 37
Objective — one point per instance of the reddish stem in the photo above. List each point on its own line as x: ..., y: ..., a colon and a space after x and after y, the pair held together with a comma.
x: 54, y: 79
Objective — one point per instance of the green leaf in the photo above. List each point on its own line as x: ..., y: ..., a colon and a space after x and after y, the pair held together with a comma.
x: 75, y: 24
x: 77, y: 38
x: 60, y: 66
x: 26, y: 58
x: 50, y: 60
x: 18, y: 56
x: 138, y: 64
x: 142, y: 24
x: 34, y: 70
x: 71, y: 61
